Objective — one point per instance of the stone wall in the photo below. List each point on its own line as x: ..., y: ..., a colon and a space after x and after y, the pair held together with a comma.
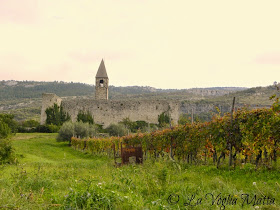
x: 106, y: 112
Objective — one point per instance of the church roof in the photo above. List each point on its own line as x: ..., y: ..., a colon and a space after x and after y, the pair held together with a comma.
x: 101, y: 71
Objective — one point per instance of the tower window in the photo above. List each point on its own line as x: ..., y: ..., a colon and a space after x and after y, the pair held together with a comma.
x: 101, y: 83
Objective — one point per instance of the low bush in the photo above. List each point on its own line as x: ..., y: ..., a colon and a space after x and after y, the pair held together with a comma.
x: 43, y: 129
x: 39, y: 129
x: 5, y: 131
x: 8, y: 119
x: 6, y: 150
x: 137, y: 126
x: 79, y: 129
x: 117, y: 130
x: 66, y: 132
x: 53, y: 128
x: 30, y: 124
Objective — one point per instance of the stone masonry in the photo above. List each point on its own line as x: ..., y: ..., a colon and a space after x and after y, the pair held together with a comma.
x: 101, y: 83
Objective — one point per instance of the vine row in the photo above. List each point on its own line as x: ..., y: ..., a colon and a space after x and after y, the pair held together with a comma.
x: 246, y: 136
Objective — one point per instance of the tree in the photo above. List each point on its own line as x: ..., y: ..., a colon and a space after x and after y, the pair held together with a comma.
x: 275, y: 98
x: 141, y: 125
x: 163, y: 119
x: 6, y: 151
x: 128, y: 124
x: 134, y: 126
x: 5, y: 131
x: 85, y: 117
x: 56, y: 115
x: 9, y: 120
x: 116, y: 130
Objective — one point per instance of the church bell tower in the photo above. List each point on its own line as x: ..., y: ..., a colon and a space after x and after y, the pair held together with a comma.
x: 101, y: 83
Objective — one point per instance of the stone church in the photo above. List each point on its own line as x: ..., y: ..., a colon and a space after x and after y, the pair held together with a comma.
x: 105, y: 111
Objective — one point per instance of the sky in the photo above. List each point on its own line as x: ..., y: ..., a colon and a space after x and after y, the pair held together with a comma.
x: 160, y: 43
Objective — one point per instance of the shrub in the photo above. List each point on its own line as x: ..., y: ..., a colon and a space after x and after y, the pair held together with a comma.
x: 53, y: 128
x: 116, y: 130
x: 128, y: 124
x: 141, y: 125
x: 30, y: 124
x: 40, y: 129
x: 5, y: 131
x: 99, y: 128
x: 43, y: 129
x: 150, y: 128
x: 85, y: 117
x: 9, y: 120
x: 79, y: 129
x: 184, y: 119
x: 6, y: 151
x: 135, y: 126
x: 66, y: 132
x: 22, y: 129
x: 93, y: 130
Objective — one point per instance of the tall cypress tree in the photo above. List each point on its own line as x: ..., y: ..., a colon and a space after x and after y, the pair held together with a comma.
x: 56, y: 115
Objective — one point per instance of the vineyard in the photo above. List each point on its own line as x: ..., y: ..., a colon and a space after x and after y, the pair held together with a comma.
x: 241, y: 137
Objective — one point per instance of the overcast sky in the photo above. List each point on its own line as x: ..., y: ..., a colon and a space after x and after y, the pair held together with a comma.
x: 159, y: 43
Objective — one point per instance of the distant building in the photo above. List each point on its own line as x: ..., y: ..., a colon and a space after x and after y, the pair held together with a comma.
x: 106, y: 111
x: 101, y: 83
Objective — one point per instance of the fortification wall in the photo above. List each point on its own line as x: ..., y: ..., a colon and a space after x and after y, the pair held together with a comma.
x: 48, y: 100
x: 106, y: 112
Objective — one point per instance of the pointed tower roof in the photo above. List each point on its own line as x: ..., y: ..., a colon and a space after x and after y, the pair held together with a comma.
x: 101, y: 71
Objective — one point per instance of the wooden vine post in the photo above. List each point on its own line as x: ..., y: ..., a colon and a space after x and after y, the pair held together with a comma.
x: 171, y: 149
x: 192, y: 115
x: 231, y: 134
x: 171, y: 142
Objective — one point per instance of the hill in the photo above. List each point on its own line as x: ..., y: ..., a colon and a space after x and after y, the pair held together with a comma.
x: 23, y: 98
x: 30, y: 89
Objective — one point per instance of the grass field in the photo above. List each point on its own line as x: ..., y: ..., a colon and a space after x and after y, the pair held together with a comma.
x: 51, y: 175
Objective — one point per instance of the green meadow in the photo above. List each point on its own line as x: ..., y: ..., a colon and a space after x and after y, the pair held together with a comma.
x: 52, y: 175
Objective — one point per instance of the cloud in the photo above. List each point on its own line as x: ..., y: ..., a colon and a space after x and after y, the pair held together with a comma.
x: 18, y: 11
x: 269, y: 58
